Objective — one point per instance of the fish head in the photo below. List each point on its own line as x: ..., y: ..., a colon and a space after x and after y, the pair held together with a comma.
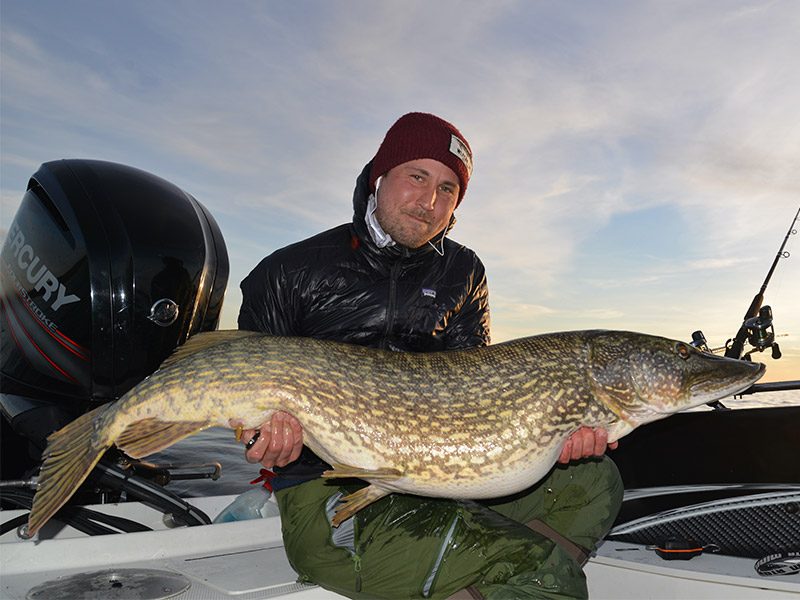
x: 643, y: 378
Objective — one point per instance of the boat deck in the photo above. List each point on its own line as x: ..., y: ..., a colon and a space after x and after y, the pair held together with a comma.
x: 245, y: 560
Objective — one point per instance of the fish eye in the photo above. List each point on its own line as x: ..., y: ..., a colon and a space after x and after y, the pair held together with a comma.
x: 683, y: 351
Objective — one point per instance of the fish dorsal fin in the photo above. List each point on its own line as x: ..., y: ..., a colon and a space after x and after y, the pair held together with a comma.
x: 203, y: 341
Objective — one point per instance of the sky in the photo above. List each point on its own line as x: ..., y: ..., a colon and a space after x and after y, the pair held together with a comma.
x: 636, y: 164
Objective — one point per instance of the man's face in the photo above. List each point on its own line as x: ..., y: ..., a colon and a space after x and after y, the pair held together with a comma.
x: 416, y: 200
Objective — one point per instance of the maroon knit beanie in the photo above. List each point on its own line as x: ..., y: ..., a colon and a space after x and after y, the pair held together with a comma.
x: 420, y: 135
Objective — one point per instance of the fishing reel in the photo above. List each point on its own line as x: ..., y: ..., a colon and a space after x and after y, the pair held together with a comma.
x: 699, y: 341
x: 761, y: 333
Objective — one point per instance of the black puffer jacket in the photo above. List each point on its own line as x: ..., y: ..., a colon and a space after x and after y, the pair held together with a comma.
x: 339, y: 285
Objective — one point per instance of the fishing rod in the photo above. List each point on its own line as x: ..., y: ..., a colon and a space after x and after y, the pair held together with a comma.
x: 757, y: 325
x: 756, y: 328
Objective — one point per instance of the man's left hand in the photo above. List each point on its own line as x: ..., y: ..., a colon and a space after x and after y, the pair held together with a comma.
x: 584, y: 443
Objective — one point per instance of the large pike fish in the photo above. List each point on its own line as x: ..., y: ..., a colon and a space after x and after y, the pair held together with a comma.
x: 476, y: 423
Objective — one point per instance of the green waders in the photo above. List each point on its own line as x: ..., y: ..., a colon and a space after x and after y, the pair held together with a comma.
x: 405, y: 546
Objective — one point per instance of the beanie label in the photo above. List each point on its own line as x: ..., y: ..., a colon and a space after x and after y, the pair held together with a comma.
x: 461, y: 150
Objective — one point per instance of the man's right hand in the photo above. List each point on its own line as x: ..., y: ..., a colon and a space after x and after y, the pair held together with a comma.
x: 279, y: 443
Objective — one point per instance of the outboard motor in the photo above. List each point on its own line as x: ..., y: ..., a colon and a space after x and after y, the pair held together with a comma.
x: 105, y: 270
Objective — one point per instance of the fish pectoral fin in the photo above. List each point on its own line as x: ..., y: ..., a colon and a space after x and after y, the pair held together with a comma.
x: 618, y: 429
x: 354, y: 502
x: 340, y: 470
x: 147, y: 436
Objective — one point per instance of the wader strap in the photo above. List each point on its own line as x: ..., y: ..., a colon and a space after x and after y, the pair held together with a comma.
x: 578, y: 552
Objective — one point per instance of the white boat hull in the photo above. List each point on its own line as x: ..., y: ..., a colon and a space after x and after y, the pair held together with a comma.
x: 246, y: 560
x: 622, y: 571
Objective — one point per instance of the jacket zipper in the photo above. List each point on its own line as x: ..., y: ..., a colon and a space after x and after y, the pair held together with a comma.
x: 341, y: 538
x: 443, y: 549
x: 356, y: 555
x: 390, y: 308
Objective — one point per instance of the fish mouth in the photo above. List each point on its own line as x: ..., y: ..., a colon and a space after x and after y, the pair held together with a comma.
x: 743, y: 374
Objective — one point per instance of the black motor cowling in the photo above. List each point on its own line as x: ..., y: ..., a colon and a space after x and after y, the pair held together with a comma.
x: 105, y: 270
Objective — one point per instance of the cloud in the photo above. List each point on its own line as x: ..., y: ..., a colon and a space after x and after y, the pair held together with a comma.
x: 717, y: 264
x: 587, y: 121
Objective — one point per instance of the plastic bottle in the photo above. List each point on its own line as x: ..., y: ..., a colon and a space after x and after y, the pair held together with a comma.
x: 252, y: 504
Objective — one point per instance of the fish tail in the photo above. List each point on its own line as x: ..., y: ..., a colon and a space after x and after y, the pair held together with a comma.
x: 72, y: 452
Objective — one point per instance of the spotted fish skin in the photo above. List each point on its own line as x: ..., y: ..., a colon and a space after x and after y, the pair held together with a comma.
x: 476, y: 423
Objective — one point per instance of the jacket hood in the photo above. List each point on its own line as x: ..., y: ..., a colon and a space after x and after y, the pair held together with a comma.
x: 360, y: 200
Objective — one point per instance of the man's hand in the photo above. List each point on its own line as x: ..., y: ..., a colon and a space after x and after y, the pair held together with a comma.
x: 279, y: 441
x: 584, y: 443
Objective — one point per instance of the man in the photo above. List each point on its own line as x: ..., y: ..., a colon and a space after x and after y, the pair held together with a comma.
x: 392, y: 279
